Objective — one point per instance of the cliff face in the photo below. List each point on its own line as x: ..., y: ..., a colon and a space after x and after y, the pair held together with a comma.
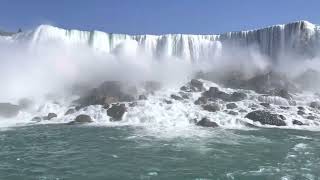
x: 299, y: 37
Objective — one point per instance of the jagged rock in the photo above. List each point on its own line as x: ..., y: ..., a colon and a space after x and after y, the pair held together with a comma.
x: 8, y: 110
x: 301, y: 112
x: 301, y: 108
x: 205, y: 122
x: 243, y: 111
x: 237, y: 96
x: 116, y: 112
x: 168, y: 101
x: 311, y: 117
x: 267, y: 105
x: 81, y: 119
x: 231, y: 106
x: 196, y: 85
x: 201, y: 100
x: 70, y: 111
x: 315, y: 105
x: 265, y: 117
x: 175, y: 97
x: 233, y: 113
x: 211, y: 107
x: 296, y: 122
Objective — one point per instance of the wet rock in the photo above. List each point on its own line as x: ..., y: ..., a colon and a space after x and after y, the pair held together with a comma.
x: 185, y: 88
x: 296, y: 122
x: 176, y: 97
x: 184, y: 95
x: 142, y: 97
x: 196, y: 85
x: 315, y: 105
x: 265, y: 117
x: 81, y: 119
x: 311, y: 117
x: 116, y: 112
x: 233, y: 113
x: 205, y: 122
x: 213, y: 107
x: 133, y: 104
x: 301, y: 108
x: 238, y: 96
x: 301, y: 112
x: 215, y: 93
x: 168, y: 101
x: 243, y: 111
x: 231, y: 106
x: 50, y: 116
x: 201, y: 100
x: 70, y: 111
x: 281, y: 93
x: 8, y: 110
x: 284, y: 107
x: 107, y: 93
x: 36, y: 119
x: 267, y: 105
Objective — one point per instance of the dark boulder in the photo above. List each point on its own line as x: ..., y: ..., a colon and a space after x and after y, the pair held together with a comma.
x: 284, y: 107
x: 201, y: 100
x: 176, y: 97
x: 196, y: 85
x: 231, y: 106
x: 205, y: 122
x: 301, y: 108
x: 315, y: 105
x: 81, y: 119
x: 8, y: 110
x: 168, y: 101
x: 311, y: 117
x: 265, y: 117
x: 116, y: 112
x: 301, y: 112
x: 70, y: 111
x: 215, y: 93
x: 266, y: 105
x: 50, y: 116
x: 213, y: 107
x: 238, y: 96
x: 36, y: 119
x: 233, y: 113
x: 296, y: 122
x: 142, y: 97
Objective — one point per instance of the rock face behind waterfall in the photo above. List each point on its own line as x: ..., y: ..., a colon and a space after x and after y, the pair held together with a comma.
x: 107, y: 93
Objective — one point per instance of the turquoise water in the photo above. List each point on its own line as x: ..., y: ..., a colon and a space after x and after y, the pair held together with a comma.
x: 86, y: 152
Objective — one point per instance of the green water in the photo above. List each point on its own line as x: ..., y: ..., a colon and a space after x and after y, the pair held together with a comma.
x: 82, y: 152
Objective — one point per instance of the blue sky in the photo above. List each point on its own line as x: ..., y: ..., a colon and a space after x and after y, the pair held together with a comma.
x: 156, y: 16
